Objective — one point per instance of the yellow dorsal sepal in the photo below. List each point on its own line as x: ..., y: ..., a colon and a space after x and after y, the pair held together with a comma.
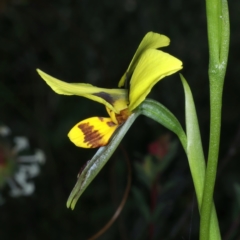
x: 152, y: 67
x: 150, y: 41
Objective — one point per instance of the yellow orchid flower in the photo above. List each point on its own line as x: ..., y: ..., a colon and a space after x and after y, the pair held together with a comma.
x: 147, y: 67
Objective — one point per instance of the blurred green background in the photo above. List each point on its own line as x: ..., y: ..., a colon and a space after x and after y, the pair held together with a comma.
x: 93, y: 42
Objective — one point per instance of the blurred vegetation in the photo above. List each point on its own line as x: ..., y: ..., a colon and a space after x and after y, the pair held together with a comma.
x: 93, y: 41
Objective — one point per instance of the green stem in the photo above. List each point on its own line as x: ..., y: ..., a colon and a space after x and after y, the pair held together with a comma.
x: 213, y: 18
x: 207, y: 202
x: 218, y: 37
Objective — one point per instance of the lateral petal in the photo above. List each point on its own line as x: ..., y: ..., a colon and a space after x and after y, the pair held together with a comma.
x: 152, y: 67
x: 115, y: 99
x: 92, y: 132
x: 150, y: 41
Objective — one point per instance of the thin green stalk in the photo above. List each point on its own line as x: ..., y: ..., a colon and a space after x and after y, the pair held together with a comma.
x: 213, y: 10
x: 211, y: 170
x: 218, y: 37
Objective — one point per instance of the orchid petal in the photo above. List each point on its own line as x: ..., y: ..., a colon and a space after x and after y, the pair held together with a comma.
x: 115, y: 99
x: 92, y: 132
x: 152, y: 67
x: 150, y: 41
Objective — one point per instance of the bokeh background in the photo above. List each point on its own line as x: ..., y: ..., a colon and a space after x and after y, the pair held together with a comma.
x: 93, y: 41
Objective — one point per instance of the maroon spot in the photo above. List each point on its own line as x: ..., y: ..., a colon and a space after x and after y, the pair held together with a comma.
x: 107, y: 97
x: 101, y: 119
x: 122, y: 116
x: 111, y: 124
x: 91, y: 137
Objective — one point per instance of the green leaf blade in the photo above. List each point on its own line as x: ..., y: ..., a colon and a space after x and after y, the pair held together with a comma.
x: 162, y: 115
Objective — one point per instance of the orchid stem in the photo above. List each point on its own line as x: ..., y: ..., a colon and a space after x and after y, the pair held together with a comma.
x: 218, y: 38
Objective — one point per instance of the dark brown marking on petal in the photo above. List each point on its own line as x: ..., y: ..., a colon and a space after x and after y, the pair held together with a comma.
x: 111, y: 124
x: 123, y: 116
x: 91, y: 136
x: 100, y: 118
x: 105, y: 96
